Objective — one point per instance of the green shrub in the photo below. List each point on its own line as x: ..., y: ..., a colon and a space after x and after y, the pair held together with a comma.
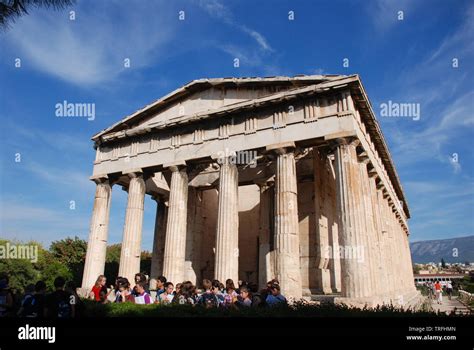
x: 94, y: 309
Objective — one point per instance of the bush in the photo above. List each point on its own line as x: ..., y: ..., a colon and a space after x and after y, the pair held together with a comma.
x: 302, y: 309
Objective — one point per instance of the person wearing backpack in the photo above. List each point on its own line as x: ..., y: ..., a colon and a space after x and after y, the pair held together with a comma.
x: 28, y: 304
x: 208, y: 299
x: 60, y: 304
x: 6, y: 297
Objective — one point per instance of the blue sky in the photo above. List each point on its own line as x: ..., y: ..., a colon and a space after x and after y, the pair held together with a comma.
x: 404, y: 61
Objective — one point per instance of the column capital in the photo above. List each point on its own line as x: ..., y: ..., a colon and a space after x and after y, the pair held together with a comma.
x: 348, y: 141
x: 98, y: 179
x: 133, y: 173
x: 175, y: 166
x: 265, y: 184
x: 281, y: 148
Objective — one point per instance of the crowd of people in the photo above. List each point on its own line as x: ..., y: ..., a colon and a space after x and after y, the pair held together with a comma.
x: 436, y: 290
x: 213, y: 293
x: 64, y: 302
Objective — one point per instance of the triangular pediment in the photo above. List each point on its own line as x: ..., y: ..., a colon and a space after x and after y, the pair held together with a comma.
x: 208, y: 95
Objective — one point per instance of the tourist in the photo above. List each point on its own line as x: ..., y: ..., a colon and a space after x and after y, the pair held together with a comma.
x: 275, y: 298
x: 186, y: 294
x: 100, y: 285
x: 177, y: 289
x: 58, y: 303
x: 80, y: 307
x: 40, y: 299
x: 140, y: 277
x: 167, y: 296
x: 216, y: 289
x: 245, y: 297
x: 449, y: 289
x: 160, y: 285
x: 27, y: 307
x: 258, y: 300
x: 142, y: 297
x: 208, y: 299
x: 430, y: 290
x: 6, y: 296
x: 230, y: 296
x: 124, y: 293
x: 439, y: 292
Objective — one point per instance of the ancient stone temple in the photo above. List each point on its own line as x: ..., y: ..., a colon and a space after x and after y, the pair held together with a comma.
x: 255, y: 179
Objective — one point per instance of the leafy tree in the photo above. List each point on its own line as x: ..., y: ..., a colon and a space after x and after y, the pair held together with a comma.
x: 21, y: 272
x: 11, y: 10
x: 70, y: 252
x: 443, y: 263
x: 112, y: 260
x: 53, y: 270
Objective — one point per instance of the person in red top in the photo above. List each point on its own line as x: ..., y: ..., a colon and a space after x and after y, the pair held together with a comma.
x: 98, y: 287
x: 439, y: 292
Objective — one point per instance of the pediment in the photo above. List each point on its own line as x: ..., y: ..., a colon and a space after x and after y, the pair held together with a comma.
x: 207, y: 95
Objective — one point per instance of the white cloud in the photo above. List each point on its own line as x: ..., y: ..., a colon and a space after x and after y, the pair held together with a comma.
x: 384, y: 13
x: 217, y: 10
x: 90, y: 50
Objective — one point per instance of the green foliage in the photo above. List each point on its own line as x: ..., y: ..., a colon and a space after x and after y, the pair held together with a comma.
x: 70, y: 252
x: 302, y: 309
x: 112, y: 259
x: 21, y: 272
x: 467, y: 284
x: 53, y: 270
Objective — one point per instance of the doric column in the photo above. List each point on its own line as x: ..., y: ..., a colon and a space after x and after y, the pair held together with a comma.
x: 410, y: 277
x: 335, y: 260
x: 175, y: 241
x: 192, y: 269
x: 354, y: 271
x: 323, y: 231
x: 158, y: 241
x: 369, y: 231
x: 265, y: 264
x: 381, y: 271
x: 227, y: 237
x: 132, y: 231
x: 97, y: 244
x: 287, y: 243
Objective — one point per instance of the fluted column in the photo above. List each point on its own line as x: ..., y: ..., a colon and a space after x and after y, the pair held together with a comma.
x: 323, y: 231
x: 157, y: 256
x: 380, y: 256
x: 175, y: 241
x: 287, y: 242
x: 97, y: 244
x: 354, y: 269
x: 132, y: 231
x: 369, y: 232
x: 227, y: 237
x: 265, y: 264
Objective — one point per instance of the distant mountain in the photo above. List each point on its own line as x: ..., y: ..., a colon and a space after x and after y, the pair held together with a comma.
x: 452, y: 250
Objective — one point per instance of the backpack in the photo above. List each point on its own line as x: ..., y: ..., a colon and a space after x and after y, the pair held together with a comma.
x: 29, y: 306
x: 64, y: 308
x: 209, y: 300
